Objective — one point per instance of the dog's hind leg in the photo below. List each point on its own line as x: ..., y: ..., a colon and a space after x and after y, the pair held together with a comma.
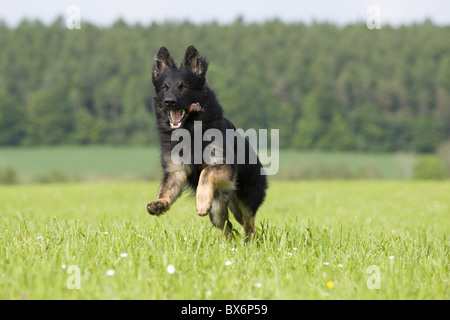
x: 219, y: 214
x: 244, y: 215
x: 249, y: 228
x: 212, y: 178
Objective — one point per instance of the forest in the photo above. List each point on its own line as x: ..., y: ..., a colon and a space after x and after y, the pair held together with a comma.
x: 324, y: 86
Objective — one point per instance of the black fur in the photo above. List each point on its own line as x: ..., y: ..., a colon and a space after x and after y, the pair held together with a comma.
x: 178, y: 88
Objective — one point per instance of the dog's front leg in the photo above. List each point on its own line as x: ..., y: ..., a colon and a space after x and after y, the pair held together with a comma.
x: 212, y: 178
x: 169, y: 190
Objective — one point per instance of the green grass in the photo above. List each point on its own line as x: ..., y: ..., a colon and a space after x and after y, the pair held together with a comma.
x: 315, y: 240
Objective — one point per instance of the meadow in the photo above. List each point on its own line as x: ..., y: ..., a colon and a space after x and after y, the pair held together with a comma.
x: 315, y: 240
x: 141, y: 163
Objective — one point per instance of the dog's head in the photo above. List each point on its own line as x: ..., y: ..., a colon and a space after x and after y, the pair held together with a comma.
x: 178, y: 89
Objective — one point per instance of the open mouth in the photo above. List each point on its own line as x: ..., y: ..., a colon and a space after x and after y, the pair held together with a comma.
x: 175, y: 117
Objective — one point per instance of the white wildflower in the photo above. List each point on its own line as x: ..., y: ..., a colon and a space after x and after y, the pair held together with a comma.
x: 170, y: 269
x: 110, y: 273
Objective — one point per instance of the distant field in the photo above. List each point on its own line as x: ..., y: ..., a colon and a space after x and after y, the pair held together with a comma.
x: 315, y: 240
x: 101, y: 160
x: 142, y: 163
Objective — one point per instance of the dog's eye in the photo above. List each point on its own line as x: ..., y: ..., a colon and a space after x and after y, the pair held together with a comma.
x: 182, y: 86
x: 165, y: 87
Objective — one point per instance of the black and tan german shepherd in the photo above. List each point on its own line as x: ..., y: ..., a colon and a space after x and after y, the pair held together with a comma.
x: 183, y: 100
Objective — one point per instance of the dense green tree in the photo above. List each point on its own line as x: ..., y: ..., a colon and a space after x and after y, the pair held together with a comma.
x: 310, y: 126
x: 50, y: 120
x: 323, y: 86
x: 12, y: 128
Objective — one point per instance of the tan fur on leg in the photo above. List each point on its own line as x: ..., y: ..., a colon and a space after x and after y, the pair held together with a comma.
x: 212, y: 178
x: 169, y: 190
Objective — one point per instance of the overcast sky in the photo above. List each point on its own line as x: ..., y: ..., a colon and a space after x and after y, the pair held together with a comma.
x: 105, y: 12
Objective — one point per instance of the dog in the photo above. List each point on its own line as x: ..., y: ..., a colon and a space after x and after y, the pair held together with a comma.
x: 183, y: 101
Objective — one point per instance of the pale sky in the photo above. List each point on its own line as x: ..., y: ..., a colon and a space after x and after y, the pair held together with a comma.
x: 105, y: 12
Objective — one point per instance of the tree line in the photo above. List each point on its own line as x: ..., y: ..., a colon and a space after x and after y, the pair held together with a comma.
x: 324, y: 86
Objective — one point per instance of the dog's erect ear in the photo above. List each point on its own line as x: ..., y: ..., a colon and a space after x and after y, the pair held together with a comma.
x: 195, y: 61
x: 162, y: 62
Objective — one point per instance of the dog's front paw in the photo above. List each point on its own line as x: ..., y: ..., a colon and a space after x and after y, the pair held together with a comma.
x: 204, y: 203
x: 204, y: 212
x: 157, y: 207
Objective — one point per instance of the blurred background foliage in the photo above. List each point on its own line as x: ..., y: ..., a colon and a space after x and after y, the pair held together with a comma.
x: 326, y: 87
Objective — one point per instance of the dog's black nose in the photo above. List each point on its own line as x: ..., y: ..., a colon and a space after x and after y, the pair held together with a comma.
x: 170, y: 102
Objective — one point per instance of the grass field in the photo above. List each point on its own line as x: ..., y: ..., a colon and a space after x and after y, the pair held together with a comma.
x: 315, y: 240
x: 141, y: 163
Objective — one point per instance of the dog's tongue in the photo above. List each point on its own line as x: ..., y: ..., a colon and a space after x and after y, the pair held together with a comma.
x: 176, y: 115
